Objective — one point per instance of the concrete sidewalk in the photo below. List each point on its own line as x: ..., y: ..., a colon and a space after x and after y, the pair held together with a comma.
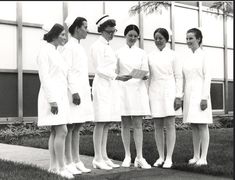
x: 40, y: 157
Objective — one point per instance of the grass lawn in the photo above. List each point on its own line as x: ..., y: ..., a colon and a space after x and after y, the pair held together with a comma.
x: 220, y: 153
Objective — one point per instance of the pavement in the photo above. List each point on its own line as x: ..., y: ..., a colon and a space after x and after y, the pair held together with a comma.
x: 40, y: 158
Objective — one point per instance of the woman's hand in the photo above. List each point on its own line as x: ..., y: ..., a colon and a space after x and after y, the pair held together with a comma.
x: 177, y: 103
x: 203, y: 104
x: 145, y: 78
x: 54, y: 108
x: 123, y: 77
x: 76, y: 99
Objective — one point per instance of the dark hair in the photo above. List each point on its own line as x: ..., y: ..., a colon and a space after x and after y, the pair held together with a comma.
x: 110, y: 22
x: 78, y: 22
x: 197, y: 33
x: 53, y: 33
x: 130, y: 28
x: 163, y: 32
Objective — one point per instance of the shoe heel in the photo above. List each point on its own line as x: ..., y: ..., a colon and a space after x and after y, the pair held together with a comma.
x: 136, y: 164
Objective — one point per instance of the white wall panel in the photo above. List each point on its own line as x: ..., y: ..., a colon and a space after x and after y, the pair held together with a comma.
x: 119, y: 10
x: 156, y: 20
x: 230, y: 64
x: 230, y: 31
x: 32, y: 39
x: 91, y: 10
x: 8, y: 10
x: 42, y: 11
x: 212, y: 26
x: 8, y: 47
x: 185, y: 19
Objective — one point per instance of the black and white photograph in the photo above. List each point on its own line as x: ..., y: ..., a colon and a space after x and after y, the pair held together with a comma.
x: 116, y: 90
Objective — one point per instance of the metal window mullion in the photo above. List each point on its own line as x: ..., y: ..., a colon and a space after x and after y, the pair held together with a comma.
x: 172, y: 24
x: 141, y: 27
x: 200, y: 14
x: 225, y: 64
x: 65, y: 15
x: 19, y: 60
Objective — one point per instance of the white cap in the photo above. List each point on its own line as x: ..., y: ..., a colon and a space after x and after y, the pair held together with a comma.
x: 70, y: 20
x: 103, y: 19
x: 48, y: 25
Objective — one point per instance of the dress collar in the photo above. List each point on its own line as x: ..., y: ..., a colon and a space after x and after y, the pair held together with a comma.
x: 103, y: 40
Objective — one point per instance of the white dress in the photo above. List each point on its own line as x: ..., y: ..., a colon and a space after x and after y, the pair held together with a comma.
x: 134, y: 95
x: 165, y: 82
x: 78, y: 81
x: 106, y: 99
x: 53, y: 77
x: 197, y: 87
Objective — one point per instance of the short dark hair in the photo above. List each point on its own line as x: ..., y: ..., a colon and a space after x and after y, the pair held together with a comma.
x: 110, y: 22
x: 197, y: 33
x: 53, y: 33
x: 163, y: 32
x: 130, y: 28
x: 78, y: 22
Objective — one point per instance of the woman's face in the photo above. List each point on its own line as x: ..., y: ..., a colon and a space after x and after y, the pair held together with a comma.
x: 61, y: 40
x: 160, y: 41
x: 131, y: 37
x: 191, y: 40
x: 82, y: 31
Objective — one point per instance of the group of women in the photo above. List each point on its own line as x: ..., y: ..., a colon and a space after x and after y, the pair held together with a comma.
x: 64, y: 100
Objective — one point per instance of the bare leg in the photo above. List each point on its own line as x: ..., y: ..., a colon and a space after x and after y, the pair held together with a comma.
x: 126, y: 135
x: 59, y: 144
x: 196, y: 141
x: 104, y: 141
x: 97, y: 140
x: 68, y: 144
x: 53, y: 164
x: 138, y: 135
x: 75, y: 142
x: 170, y: 136
x: 205, y: 138
x: 159, y: 136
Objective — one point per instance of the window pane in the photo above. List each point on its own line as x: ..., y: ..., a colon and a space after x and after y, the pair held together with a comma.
x: 91, y: 10
x: 212, y: 25
x: 230, y: 32
x: 119, y: 10
x: 8, y: 10
x: 156, y: 20
x: 8, y: 51
x: 32, y: 37
x: 230, y: 64
x: 42, y: 11
x: 185, y: 19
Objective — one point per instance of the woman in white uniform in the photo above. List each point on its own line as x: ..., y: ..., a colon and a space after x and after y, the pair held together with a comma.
x: 53, y: 104
x: 134, y: 96
x: 81, y: 108
x: 165, y: 93
x: 105, y: 91
x: 197, y: 103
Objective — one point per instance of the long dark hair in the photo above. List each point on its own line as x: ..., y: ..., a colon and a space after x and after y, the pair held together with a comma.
x: 77, y: 23
x: 130, y: 28
x: 53, y: 33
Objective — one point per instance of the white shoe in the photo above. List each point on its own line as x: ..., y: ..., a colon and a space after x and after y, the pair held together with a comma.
x: 201, y: 162
x: 54, y: 171
x: 192, y: 161
x: 126, y: 162
x: 81, y: 167
x: 167, y: 164
x: 101, y: 165
x: 159, y: 162
x: 111, y: 164
x: 72, y: 169
x: 65, y: 173
x: 142, y: 163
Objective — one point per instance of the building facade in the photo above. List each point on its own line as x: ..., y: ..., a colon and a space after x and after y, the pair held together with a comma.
x: 21, y: 35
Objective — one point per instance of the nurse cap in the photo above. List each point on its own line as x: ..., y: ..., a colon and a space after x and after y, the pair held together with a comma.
x: 70, y: 20
x: 103, y: 19
x: 47, y: 26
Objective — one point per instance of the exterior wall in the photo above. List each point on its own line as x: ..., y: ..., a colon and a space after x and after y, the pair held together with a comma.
x: 21, y: 35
